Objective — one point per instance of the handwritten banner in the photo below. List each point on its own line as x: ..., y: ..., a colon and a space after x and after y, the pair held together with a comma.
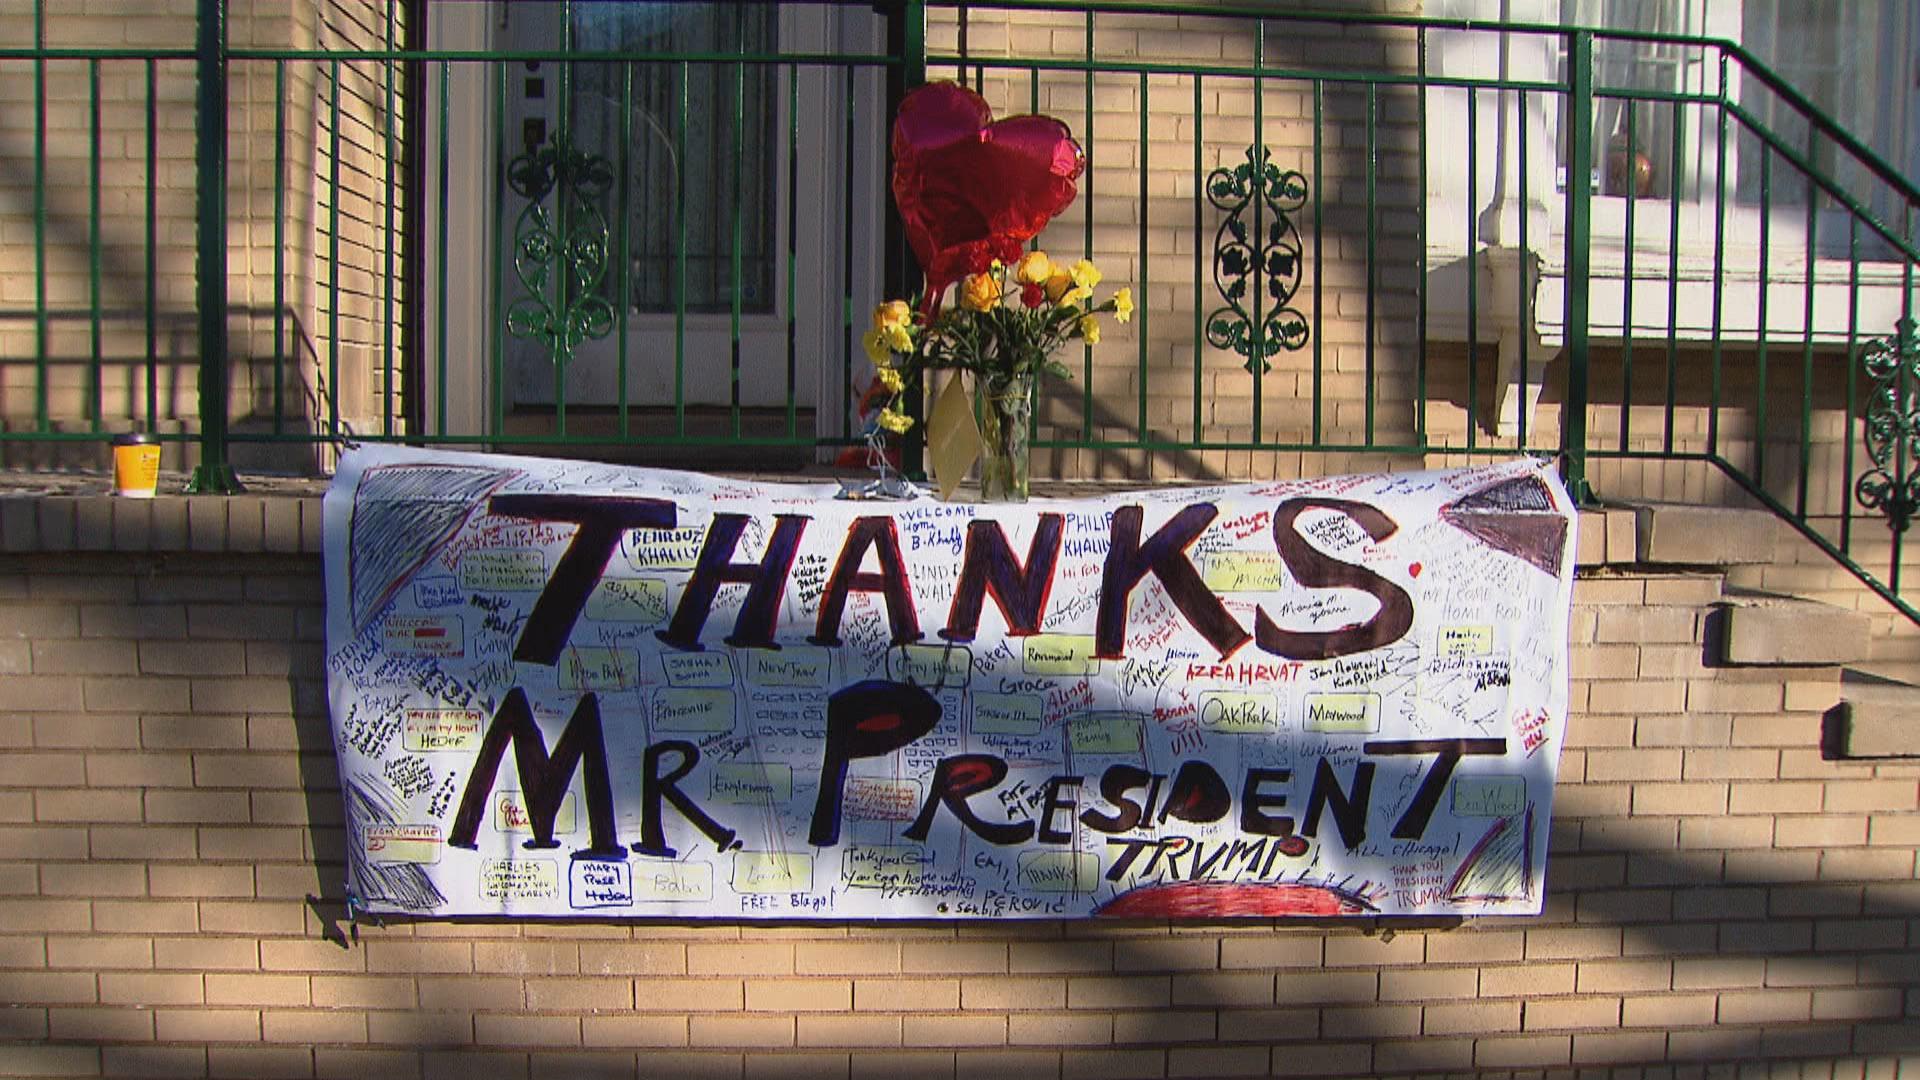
x: 560, y: 688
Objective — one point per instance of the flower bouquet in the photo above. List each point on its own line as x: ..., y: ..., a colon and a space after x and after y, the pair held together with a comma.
x: 972, y: 192
x: 1003, y: 332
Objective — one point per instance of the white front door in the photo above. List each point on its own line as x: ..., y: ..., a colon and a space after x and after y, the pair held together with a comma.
x: 670, y: 227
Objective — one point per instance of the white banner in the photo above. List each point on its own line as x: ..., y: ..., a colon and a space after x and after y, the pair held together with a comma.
x: 561, y: 688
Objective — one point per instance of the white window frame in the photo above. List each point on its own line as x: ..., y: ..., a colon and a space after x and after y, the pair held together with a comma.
x: 1521, y: 293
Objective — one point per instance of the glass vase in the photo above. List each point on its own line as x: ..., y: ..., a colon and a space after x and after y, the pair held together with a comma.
x: 1005, y: 408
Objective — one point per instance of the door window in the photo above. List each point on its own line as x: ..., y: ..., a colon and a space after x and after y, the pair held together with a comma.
x: 682, y: 132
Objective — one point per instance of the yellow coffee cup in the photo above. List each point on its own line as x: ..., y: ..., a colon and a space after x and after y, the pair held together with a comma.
x: 136, y: 466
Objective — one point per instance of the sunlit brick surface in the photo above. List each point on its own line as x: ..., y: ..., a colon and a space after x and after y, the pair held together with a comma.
x: 171, y: 869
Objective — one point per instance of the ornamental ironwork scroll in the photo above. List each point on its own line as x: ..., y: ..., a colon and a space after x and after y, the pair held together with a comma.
x: 1892, y: 422
x: 1257, y: 247
x: 560, y: 254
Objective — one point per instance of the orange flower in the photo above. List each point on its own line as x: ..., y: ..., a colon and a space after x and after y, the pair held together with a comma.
x: 891, y: 314
x: 980, y: 292
x: 1058, y: 284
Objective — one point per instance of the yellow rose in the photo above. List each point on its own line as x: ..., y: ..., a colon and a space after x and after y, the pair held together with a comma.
x: 1059, y: 283
x: 876, y: 346
x: 980, y: 292
x: 899, y: 340
x: 894, y: 421
x: 890, y: 379
x: 891, y: 314
x: 1034, y: 269
x: 1123, y: 305
x: 1090, y: 329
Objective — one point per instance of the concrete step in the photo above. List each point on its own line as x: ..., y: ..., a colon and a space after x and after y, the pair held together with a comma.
x: 1895, y: 669
x: 1766, y: 629
x: 1876, y: 718
x: 1684, y: 535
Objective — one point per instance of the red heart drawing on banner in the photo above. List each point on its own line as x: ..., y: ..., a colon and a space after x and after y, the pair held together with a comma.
x: 972, y: 189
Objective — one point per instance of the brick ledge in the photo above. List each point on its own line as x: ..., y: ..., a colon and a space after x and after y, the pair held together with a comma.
x: 276, y: 523
x: 50, y: 513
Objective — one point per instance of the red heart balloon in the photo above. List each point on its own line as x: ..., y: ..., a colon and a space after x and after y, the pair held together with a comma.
x: 971, y: 189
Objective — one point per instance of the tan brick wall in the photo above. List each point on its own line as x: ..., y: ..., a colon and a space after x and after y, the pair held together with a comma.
x: 129, y: 370
x: 65, y: 89
x: 171, y: 868
x: 363, y: 217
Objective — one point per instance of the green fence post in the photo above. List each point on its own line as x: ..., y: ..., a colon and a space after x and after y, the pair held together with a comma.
x: 906, y: 41
x: 214, y: 475
x: 1573, y: 421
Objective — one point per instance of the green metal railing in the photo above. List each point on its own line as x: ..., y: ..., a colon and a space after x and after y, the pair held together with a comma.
x: 1347, y: 240
x: 1746, y: 152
